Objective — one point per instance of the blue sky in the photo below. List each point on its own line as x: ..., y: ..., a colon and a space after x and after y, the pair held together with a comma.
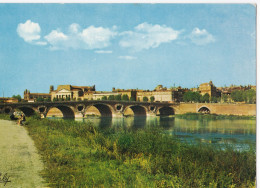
x: 125, y: 45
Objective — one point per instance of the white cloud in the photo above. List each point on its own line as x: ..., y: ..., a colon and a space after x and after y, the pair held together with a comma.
x: 74, y: 28
x: 89, y: 38
x: 147, y: 36
x: 103, y: 52
x: 41, y: 43
x: 29, y: 31
x: 127, y: 57
x: 201, y: 37
x: 57, y: 39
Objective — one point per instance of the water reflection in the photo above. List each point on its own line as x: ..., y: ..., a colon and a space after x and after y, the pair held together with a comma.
x: 241, y: 133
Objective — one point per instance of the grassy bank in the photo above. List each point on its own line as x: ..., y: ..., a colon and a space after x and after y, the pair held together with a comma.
x: 200, y: 116
x: 81, y: 155
x: 5, y: 116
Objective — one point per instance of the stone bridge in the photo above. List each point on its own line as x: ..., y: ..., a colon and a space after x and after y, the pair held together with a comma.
x: 72, y: 109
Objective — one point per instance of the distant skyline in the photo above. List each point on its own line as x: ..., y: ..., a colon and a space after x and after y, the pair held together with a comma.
x: 125, y: 46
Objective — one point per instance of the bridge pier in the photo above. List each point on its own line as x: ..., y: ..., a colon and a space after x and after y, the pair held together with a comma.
x: 151, y: 114
x: 117, y: 114
x: 79, y: 115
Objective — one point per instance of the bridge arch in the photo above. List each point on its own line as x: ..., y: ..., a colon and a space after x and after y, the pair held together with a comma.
x: 105, y: 110
x: 66, y: 111
x: 28, y: 111
x: 166, y: 111
x: 7, y: 109
x: 138, y: 110
x: 204, y: 110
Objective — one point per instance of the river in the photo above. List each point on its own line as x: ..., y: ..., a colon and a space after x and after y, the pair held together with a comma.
x: 241, y: 134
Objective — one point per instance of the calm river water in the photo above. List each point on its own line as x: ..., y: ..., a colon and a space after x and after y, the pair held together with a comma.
x: 239, y: 133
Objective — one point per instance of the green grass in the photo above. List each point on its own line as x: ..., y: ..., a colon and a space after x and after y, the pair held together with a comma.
x: 81, y: 155
x: 5, y: 116
x: 199, y: 116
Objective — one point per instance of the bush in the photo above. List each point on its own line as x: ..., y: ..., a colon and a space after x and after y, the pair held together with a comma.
x: 118, y: 97
x: 81, y: 155
x: 125, y: 98
x: 145, y: 99
x: 104, y: 98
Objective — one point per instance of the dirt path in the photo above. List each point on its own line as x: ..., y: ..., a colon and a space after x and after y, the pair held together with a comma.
x: 19, y: 159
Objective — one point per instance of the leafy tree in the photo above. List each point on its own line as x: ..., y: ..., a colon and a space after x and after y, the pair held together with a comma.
x: 17, y: 97
x: 47, y: 99
x: 132, y: 98
x: 60, y: 99
x: 250, y: 96
x: 125, y: 98
x: 40, y: 99
x: 224, y: 98
x: 190, y: 96
x: 214, y: 99
x: 237, y: 96
x: 145, y: 99
x: 152, y: 98
x: 67, y: 98
x: 187, y: 96
x: 118, y: 97
x: 55, y: 99
x: 104, y: 98
x: 196, y: 97
x: 205, y: 98
x: 111, y: 97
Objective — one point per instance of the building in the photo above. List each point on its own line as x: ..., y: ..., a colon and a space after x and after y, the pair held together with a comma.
x: 131, y: 93
x: 100, y: 94
x: 69, y: 92
x: 162, y: 94
x: 32, y: 97
x: 210, y: 89
x: 8, y: 100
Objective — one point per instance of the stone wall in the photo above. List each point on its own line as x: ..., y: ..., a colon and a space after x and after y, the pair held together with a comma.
x: 225, y: 109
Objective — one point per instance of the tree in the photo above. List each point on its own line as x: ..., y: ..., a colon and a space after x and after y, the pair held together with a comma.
x: 214, y: 99
x: 40, y: 99
x: 17, y: 97
x: 250, y: 96
x: 152, y: 98
x: 132, y: 98
x: 118, y: 97
x: 55, y: 99
x: 205, y: 98
x: 237, y: 96
x: 187, y: 96
x: 47, y: 99
x: 145, y: 99
x: 196, y: 97
x: 111, y: 97
x: 125, y: 97
x: 225, y: 98
x: 190, y: 96
x: 104, y: 98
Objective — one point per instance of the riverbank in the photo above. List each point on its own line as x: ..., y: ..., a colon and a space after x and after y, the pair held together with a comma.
x: 80, y: 154
x: 20, y: 163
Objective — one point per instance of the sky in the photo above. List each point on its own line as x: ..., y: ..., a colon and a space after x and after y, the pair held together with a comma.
x: 125, y: 46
